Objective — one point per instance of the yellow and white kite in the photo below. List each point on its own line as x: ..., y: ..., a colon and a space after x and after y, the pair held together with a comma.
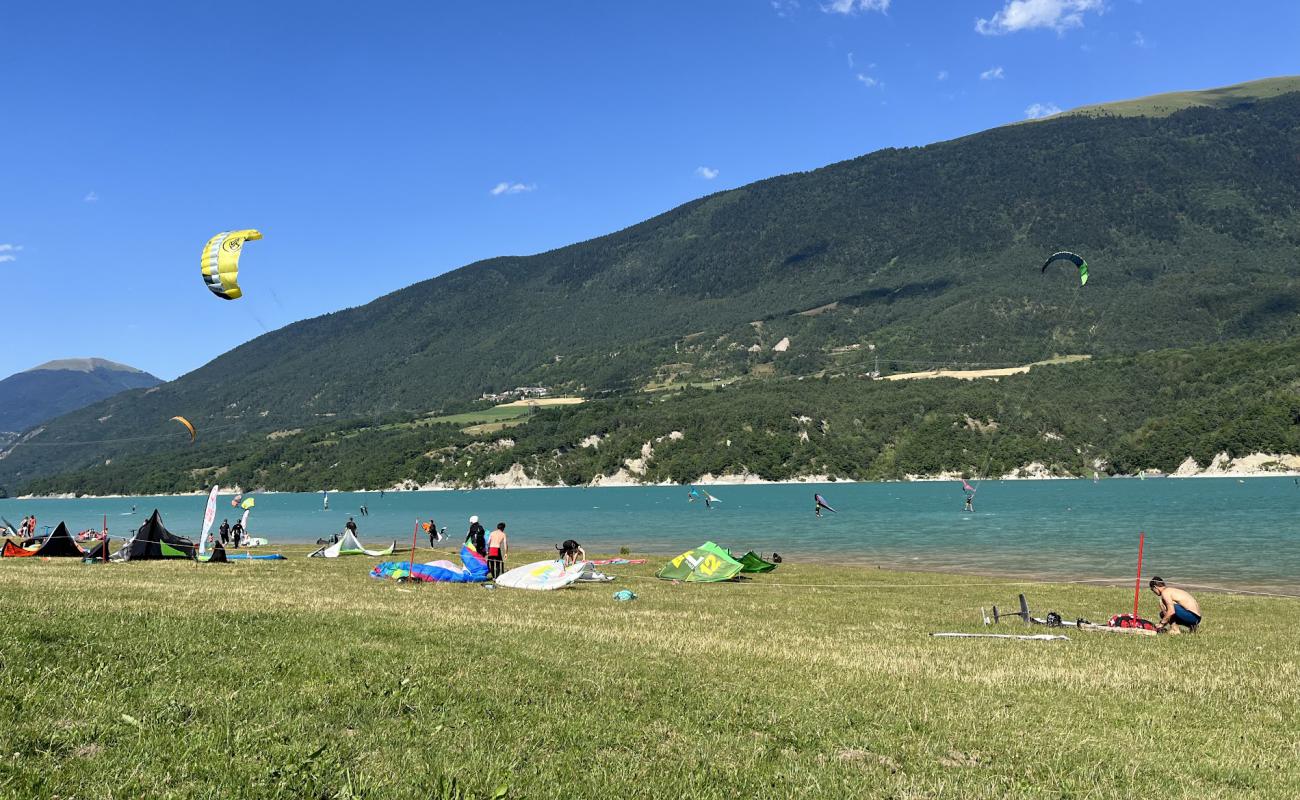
x: 220, y: 262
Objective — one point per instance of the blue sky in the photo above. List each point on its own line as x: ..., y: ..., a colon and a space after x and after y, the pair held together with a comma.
x: 380, y: 144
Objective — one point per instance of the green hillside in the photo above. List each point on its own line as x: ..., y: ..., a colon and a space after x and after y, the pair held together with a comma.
x: 1119, y: 414
x: 1161, y: 105
x: 917, y: 256
x: 52, y: 389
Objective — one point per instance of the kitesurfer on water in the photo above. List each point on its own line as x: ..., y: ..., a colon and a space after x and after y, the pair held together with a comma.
x: 1177, y: 607
x: 477, y: 537
x: 970, y: 504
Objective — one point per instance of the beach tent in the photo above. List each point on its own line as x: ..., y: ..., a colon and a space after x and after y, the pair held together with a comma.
x: 59, y: 544
x: 542, y: 575
x: 706, y: 563
x: 347, y: 545
x: 472, y: 569
x: 215, y: 555
x: 153, y: 541
x: 753, y: 562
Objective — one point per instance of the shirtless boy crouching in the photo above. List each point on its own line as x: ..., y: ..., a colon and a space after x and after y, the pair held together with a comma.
x: 1177, y: 607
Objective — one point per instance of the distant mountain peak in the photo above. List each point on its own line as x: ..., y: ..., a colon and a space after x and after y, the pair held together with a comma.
x: 56, y: 387
x: 84, y: 365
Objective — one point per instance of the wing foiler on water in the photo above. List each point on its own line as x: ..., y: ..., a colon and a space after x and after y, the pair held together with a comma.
x: 220, y: 262
x: 1073, y: 258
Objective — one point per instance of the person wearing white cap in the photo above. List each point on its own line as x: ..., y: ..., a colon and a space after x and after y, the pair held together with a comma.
x: 477, y: 537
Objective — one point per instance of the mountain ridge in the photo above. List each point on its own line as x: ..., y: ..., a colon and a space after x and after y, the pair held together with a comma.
x: 1191, y: 223
x: 49, y: 390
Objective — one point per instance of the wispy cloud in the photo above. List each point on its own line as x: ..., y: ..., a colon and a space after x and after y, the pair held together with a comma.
x: 992, y: 74
x: 9, y: 252
x: 870, y: 82
x: 851, y: 64
x: 785, y: 8
x: 90, y: 197
x: 854, y: 6
x: 707, y: 173
x: 1140, y: 41
x: 1040, y: 110
x: 1023, y: 15
x: 942, y: 76
x: 506, y: 187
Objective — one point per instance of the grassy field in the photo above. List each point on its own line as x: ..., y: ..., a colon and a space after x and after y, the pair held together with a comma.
x: 306, y: 678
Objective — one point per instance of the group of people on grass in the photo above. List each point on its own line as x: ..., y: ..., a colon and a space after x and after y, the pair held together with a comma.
x: 27, y: 528
x: 495, y: 546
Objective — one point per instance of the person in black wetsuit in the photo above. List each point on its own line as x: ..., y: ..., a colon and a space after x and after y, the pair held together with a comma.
x: 224, y: 530
x: 351, y: 526
x: 477, y: 537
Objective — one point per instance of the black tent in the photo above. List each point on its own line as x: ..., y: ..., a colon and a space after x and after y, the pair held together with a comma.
x: 153, y: 541
x: 58, y: 544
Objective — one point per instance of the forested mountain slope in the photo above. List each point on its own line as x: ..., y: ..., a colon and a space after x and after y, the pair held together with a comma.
x: 1190, y: 221
x: 33, y: 396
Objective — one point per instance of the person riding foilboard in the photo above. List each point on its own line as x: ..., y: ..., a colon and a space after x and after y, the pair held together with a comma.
x: 819, y: 503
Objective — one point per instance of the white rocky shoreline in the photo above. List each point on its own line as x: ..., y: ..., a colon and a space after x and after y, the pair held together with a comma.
x: 1255, y: 465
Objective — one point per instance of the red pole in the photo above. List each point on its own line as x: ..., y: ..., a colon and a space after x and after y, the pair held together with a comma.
x: 1137, y: 586
x: 414, y: 535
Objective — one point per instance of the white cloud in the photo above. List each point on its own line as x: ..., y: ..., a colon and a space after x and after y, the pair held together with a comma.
x: 854, y: 6
x: 505, y: 187
x: 851, y: 64
x: 992, y: 74
x: 870, y: 82
x: 1023, y: 15
x: 1040, y: 110
x: 90, y: 197
x: 785, y: 8
x: 1139, y: 40
x: 8, y: 251
x: 942, y: 76
x: 707, y: 173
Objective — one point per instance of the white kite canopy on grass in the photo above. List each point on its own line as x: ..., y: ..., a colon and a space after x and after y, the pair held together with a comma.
x: 348, y: 545
x: 542, y: 575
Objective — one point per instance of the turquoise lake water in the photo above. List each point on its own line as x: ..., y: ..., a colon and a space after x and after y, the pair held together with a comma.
x: 1219, y: 532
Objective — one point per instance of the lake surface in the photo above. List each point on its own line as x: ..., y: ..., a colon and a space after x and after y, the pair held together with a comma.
x: 1219, y: 532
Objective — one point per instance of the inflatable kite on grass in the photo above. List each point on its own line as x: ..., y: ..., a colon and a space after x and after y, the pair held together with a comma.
x: 473, y: 569
x: 705, y: 564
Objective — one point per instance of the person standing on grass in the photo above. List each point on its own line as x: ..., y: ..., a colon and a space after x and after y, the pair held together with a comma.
x: 1177, y: 607
x: 496, y: 551
x: 477, y: 537
x: 431, y: 528
x: 236, y: 532
x: 224, y: 530
x: 351, y: 526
